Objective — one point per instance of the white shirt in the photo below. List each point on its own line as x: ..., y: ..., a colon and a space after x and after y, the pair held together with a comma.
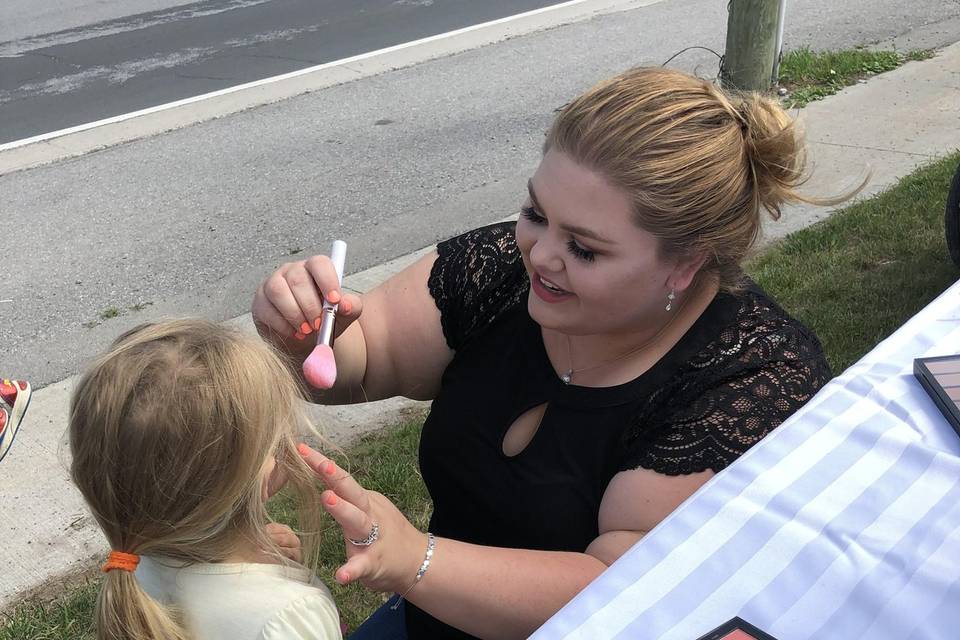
x: 241, y: 601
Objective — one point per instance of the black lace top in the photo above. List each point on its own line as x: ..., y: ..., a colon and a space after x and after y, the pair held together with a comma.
x: 743, y: 367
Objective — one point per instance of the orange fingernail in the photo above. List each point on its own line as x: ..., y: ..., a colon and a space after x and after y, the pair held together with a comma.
x: 330, y: 468
x: 317, y: 323
x: 331, y: 499
x: 299, y: 336
x: 306, y: 329
x: 333, y: 297
x: 345, y: 306
x: 303, y: 449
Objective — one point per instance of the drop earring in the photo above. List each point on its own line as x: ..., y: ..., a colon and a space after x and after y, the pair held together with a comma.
x: 670, y: 298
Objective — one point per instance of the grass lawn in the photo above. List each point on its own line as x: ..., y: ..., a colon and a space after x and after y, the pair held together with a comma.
x: 853, y: 278
x: 810, y: 76
x: 862, y: 272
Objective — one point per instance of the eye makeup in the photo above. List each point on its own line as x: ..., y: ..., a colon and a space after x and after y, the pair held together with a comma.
x: 736, y: 629
x: 940, y: 378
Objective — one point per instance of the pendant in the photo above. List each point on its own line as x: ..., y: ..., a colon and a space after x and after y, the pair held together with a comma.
x: 567, y: 377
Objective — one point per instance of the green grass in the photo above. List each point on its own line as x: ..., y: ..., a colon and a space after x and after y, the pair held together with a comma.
x: 859, y: 274
x: 810, y: 75
x: 64, y: 619
x: 853, y: 278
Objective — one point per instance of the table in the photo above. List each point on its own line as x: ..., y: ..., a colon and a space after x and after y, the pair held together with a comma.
x: 843, y: 523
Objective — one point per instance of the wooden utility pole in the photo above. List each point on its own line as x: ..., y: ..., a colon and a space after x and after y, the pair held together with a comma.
x: 751, y: 45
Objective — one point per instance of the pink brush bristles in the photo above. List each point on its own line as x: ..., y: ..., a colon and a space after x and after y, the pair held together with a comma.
x: 320, y: 368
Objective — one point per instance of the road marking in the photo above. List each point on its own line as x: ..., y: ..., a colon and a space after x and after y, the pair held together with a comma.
x: 286, y: 76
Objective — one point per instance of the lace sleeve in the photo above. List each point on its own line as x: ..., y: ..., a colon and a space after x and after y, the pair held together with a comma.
x: 713, y: 426
x: 476, y: 277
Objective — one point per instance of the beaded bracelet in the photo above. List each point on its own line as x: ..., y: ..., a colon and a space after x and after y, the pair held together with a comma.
x: 431, y: 543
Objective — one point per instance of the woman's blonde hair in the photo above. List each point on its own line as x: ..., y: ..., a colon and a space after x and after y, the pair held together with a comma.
x: 169, y: 432
x: 698, y: 163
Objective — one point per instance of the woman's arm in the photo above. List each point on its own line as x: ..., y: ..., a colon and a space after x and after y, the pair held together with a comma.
x: 390, y: 340
x: 508, y: 593
x: 488, y: 592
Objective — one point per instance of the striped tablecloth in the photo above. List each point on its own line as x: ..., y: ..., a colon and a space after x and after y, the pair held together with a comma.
x: 844, y: 523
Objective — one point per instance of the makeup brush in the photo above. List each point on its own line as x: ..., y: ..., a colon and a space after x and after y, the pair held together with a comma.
x: 320, y: 369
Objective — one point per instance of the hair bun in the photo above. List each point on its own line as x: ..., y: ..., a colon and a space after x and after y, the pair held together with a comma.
x: 774, y: 150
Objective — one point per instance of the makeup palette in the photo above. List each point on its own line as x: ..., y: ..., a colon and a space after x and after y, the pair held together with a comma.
x: 940, y: 376
x: 736, y: 629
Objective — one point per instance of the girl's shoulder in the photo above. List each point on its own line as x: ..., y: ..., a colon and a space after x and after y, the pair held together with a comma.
x: 244, y: 600
x: 312, y: 616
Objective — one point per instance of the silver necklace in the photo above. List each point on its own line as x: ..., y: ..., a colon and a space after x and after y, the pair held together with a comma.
x: 567, y: 377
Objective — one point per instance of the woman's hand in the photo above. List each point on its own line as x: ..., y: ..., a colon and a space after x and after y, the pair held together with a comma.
x: 392, y: 561
x: 286, y: 307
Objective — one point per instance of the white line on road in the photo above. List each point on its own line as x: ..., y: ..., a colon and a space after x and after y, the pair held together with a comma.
x: 286, y: 76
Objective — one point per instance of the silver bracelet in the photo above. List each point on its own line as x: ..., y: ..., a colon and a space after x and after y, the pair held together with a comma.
x: 431, y: 543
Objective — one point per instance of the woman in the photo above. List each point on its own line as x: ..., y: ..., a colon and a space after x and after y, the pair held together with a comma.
x: 590, y: 367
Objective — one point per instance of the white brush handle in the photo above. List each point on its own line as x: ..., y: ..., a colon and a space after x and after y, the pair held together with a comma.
x: 338, y: 255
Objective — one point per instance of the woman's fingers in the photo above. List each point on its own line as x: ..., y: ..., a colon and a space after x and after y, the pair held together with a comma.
x: 278, y: 293
x: 307, y: 294
x: 336, y: 478
x: 324, y: 277
x: 355, y: 568
x: 355, y: 523
x: 267, y: 318
x: 351, y: 306
x: 321, y: 270
x: 295, y: 294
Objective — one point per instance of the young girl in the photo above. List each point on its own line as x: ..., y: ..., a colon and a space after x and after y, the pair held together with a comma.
x: 179, y: 435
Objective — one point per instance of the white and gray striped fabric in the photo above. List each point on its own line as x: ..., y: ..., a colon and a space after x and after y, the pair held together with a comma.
x: 843, y: 523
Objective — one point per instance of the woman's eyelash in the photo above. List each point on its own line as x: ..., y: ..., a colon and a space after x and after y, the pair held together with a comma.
x: 583, y: 254
x: 531, y: 214
x: 580, y: 252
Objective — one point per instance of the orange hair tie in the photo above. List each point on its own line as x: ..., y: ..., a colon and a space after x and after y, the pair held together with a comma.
x: 122, y: 561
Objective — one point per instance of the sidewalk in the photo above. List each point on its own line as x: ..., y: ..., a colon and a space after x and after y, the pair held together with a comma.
x: 888, y: 125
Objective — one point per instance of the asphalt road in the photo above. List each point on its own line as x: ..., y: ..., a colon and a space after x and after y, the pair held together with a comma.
x: 189, y: 222
x: 57, y: 79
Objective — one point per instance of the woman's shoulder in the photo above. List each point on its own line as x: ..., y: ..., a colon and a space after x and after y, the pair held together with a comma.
x: 755, y: 330
x: 498, y: 239
x: 768, y: 332
x: 476, y: 277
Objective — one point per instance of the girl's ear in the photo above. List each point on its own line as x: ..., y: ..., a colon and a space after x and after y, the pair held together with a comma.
x: 274, y: 478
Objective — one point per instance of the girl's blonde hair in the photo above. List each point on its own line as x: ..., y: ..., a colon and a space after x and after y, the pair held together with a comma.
x: 698, y: 163
x: 170, y: 431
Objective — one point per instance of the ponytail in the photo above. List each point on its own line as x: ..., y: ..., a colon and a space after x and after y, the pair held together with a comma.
x: 124, y: 611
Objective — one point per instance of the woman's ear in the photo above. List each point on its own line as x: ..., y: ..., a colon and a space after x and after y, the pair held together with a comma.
x: 685, y: 270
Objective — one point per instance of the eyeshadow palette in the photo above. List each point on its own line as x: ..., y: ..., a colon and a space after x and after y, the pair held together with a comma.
x: 736, y: 629
x: 940, y: 377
